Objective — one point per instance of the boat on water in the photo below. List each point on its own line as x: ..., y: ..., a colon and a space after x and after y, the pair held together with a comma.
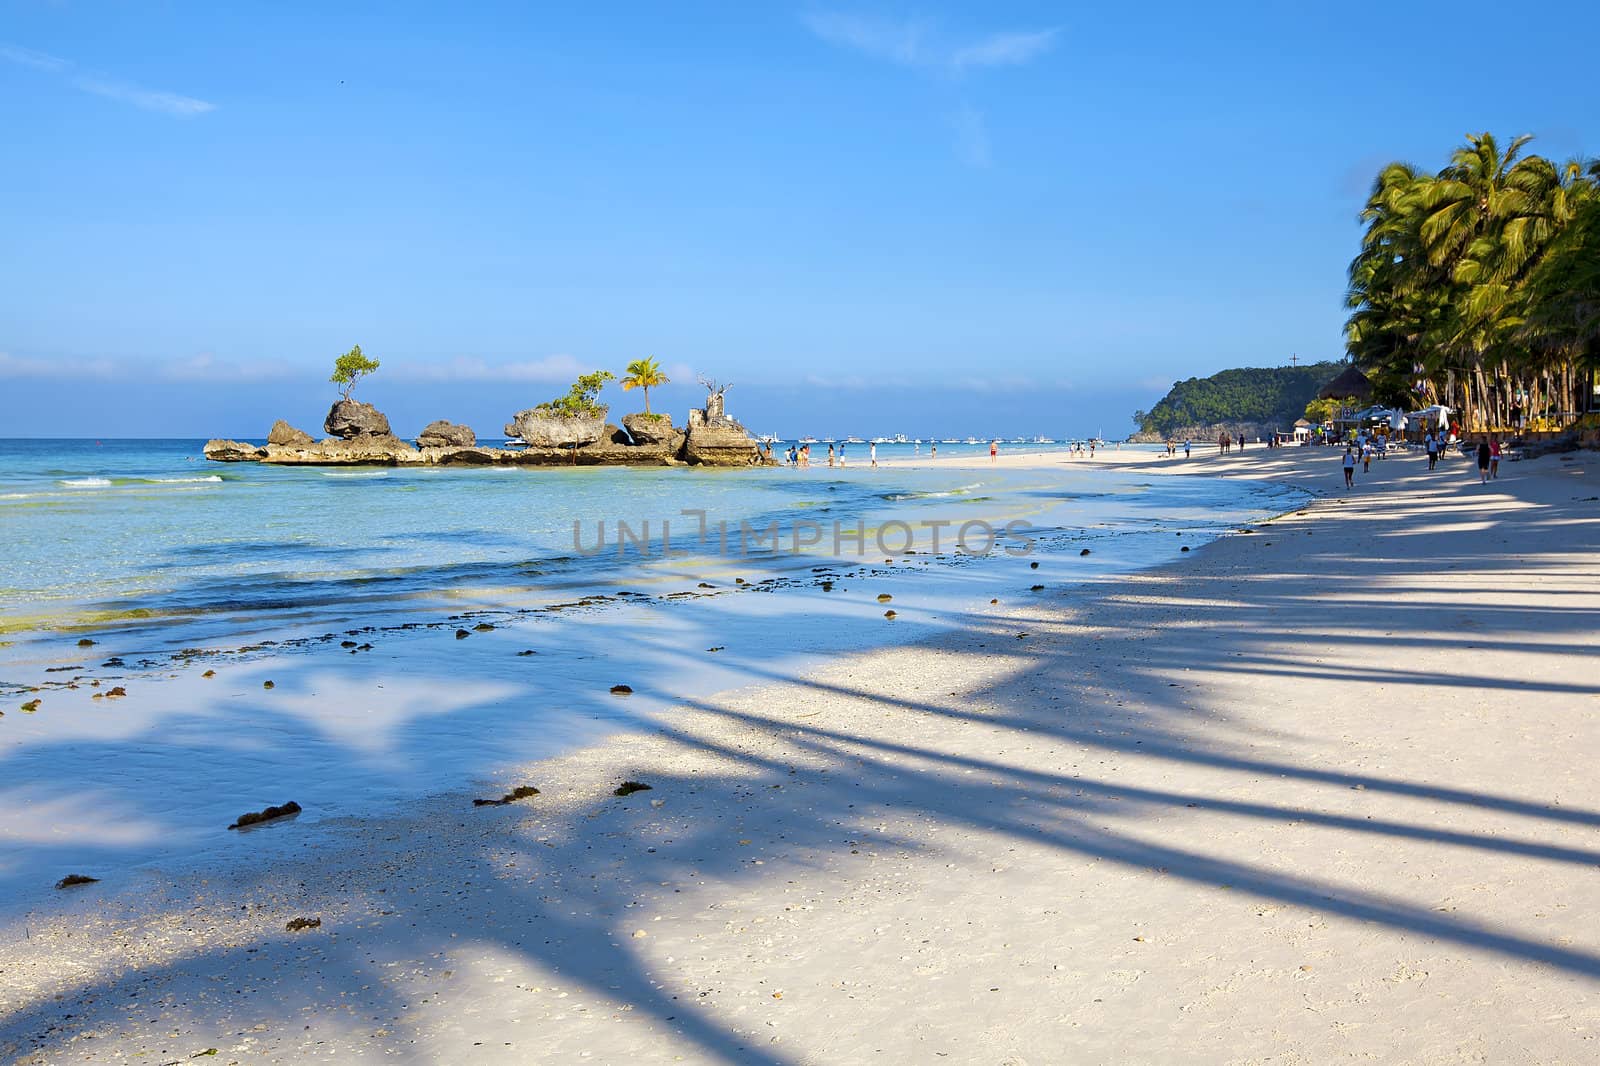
x: 768, y: 438
x: 809, y: 440
x: 1044, y: 440
x: 854, y: 440
x: 972, y: 440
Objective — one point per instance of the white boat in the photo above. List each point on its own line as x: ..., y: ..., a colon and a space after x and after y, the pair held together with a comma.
x: 854, y: 440
x: 809, y: 440
x: 768, y: 438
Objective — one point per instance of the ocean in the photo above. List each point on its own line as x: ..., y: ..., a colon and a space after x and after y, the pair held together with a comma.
x: 424, y: 629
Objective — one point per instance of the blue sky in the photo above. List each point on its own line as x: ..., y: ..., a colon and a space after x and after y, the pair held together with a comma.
x: 1006, y: 217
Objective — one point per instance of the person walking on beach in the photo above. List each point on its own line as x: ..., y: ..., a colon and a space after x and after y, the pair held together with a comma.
x: 830, y: 454
x: 1432, y: 444
x: 1494, y: 458
x: 1186, y: 445
x: 933, y: 450
x: 994, y: 449
x: 1349, y: 467
x: 872, y: 452
x: 1366, y: 456
x: 1483, y: 461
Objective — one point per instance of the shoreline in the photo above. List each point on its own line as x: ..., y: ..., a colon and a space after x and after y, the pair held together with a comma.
x: 1081, y: 845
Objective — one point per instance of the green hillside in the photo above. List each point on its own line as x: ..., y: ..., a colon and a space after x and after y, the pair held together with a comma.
x: 1271, y: 395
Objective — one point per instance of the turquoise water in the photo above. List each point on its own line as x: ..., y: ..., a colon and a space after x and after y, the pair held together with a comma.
x: 425, y: 630
x: 144, y: 534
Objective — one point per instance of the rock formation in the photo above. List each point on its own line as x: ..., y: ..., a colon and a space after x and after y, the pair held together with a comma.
x: 649, y: 429
x: 444, y: 434
x: 233, y: 451
x: 352, y: 420
x: 283, y: 433
x: 715, y: 439
x: 362, y: 451
x: 544, y: 429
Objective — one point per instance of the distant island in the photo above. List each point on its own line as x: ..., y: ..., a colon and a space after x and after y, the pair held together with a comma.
x: 570, y: 430
x: 1248, y: 401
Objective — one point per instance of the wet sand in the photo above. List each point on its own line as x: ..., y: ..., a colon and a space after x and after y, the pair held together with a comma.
x: 1317, y: 792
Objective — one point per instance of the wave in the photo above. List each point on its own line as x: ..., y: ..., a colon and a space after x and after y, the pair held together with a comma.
x: 86, y: 482
x: 179, y: 480
x: 961, y: 490
x: 355, y: 473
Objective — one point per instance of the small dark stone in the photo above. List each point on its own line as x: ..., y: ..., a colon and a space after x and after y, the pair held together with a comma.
x: 530, y: 651
x: 1036, y: 588
x: 884, y: 597
x: 1184, y: 548
x: 888, y: 614
x: 257, y: 817
x: 209, y: 673
x: 719, y: 647
x: 621, y: 690
x: 484, y: 627
x: 31, y: 706
x: 347, y: 644
x: 268, y: 684
x: 296, y: 925
x: 1084, y: 552
x: 116, y: 692
x: 462, y: 634
x: 705, y: 585
x: 628, y: 788
x: 86, y: 643
x: 1033, y: 565
x: 76, y: 879
x: 827, y: 586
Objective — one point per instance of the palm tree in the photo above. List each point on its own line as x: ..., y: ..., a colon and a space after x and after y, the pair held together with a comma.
x: 644, y: 374
x: 1451, y: 281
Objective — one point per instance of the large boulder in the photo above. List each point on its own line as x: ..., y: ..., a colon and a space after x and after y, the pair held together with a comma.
x: 544, y: 429
x: 720, y: 441
x: 444, y: 434
x: 648, y: 429
x: 283, y: 433
x: 233, y: 451
x: 354, y: 420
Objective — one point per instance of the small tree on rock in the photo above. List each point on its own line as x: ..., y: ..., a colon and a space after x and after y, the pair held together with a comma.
x: 350, y: 368
x: 580, y: 400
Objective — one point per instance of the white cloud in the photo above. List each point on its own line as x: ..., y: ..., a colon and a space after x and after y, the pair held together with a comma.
x: 149, y: 99
x: 902, y: 42
x: 14, y: 367
x: 1004, y: 49
x: 916, y: 42
x: 207, y: 367
x: 27, y: 57
x: 101, y: 85
x: 560, y: 368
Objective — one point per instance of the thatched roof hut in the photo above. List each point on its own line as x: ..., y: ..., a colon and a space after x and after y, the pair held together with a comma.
x: 1351, y: 384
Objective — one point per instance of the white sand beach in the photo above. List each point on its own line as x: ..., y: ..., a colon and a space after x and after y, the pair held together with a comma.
x: 1324, y: 791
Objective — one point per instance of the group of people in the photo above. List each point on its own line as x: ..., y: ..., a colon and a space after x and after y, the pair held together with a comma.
x: 1361, y: 450
x: 800, y: 454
